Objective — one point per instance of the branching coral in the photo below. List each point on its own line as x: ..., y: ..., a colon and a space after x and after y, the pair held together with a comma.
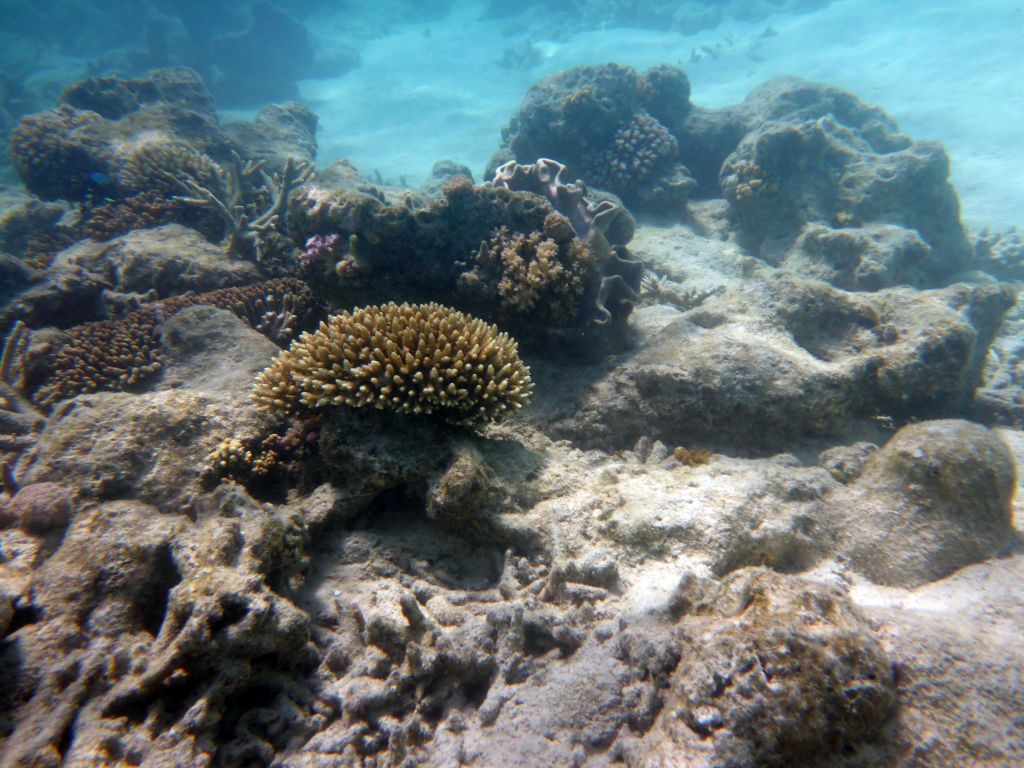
x: 231, y: 192
x: 159, y: 164
x: 418, y: 358
x: 534, y: 274
x: 636, y: 152
x: 142, y: 211
x: 660, y: 289
x: 260, y: 461
x: 119, y: 354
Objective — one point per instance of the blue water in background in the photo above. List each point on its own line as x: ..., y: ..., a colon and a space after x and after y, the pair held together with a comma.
x: 400, y: 84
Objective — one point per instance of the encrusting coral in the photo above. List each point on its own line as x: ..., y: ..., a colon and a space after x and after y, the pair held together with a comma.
x: 118, y: 354
x: 409, y: 358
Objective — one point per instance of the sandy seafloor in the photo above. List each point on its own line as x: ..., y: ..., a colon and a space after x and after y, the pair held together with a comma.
x: 948, y: 71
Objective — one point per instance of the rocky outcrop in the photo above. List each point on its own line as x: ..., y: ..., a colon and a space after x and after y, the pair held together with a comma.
x: 782, y: 357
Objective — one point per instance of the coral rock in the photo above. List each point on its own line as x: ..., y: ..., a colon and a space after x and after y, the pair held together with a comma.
x: 935, y: 498
x: 41, y: 507
x: 773, y: 671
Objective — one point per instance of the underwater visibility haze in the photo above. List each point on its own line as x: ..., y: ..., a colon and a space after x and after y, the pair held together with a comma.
x: 511, y: 384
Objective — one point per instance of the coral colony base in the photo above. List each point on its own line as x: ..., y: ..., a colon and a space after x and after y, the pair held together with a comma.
x: 303, y: 469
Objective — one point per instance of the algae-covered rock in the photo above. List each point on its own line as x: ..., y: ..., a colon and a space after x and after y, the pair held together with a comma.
x: 151, y: 446
x: 772, y: 671
x: 935, y: 498
x: 781, y: 357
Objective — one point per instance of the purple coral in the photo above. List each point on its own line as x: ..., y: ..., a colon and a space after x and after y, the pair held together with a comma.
x: 318, y: 249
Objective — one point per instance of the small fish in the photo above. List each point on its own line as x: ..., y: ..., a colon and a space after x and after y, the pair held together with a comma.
x: 99, y: 178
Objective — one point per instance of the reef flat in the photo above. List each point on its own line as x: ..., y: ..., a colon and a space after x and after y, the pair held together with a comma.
x: 687, y: 438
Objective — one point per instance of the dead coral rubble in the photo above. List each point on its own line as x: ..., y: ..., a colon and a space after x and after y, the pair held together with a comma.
x: 420, y: 358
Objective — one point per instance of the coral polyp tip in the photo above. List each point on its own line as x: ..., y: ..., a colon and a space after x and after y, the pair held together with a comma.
x: 408, y: 358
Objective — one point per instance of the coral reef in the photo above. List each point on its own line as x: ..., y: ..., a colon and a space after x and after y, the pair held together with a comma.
x: 232, y: 187
x: 614, y: 291
x: 815, y: 179
x: 261, y: 557
x: 421, y: 358
x: 121, y: 354
x: 606, y: 124
x: 261, y: 462
x: 142, y: 211
x: 52, y: 158
x: 418, y: 249
x: 533, y: 275
x: 157, y: 165
x: 159, y: 136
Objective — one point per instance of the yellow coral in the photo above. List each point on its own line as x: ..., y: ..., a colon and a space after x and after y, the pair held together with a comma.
x: 410, y: 358
x: 532, y: 271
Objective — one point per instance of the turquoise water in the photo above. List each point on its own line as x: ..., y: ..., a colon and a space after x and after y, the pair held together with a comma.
x: 399, y: 85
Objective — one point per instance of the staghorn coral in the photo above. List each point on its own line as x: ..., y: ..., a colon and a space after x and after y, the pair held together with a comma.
x: 534, y: 274
x: 659, y: 289
x: 409, y: 358
x: 120, y: 354
x: 232, y: 193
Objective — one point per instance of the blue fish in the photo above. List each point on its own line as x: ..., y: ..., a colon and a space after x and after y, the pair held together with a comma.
x: 99, y: 178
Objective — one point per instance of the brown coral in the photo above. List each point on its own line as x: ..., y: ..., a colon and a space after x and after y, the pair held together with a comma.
x: 418, y: 358
x: 145, y: 210
x: 160, y: 165
x: 51, y: 156
x: 636, y: 152
x: 530, y: 274
x: 119, y: 354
